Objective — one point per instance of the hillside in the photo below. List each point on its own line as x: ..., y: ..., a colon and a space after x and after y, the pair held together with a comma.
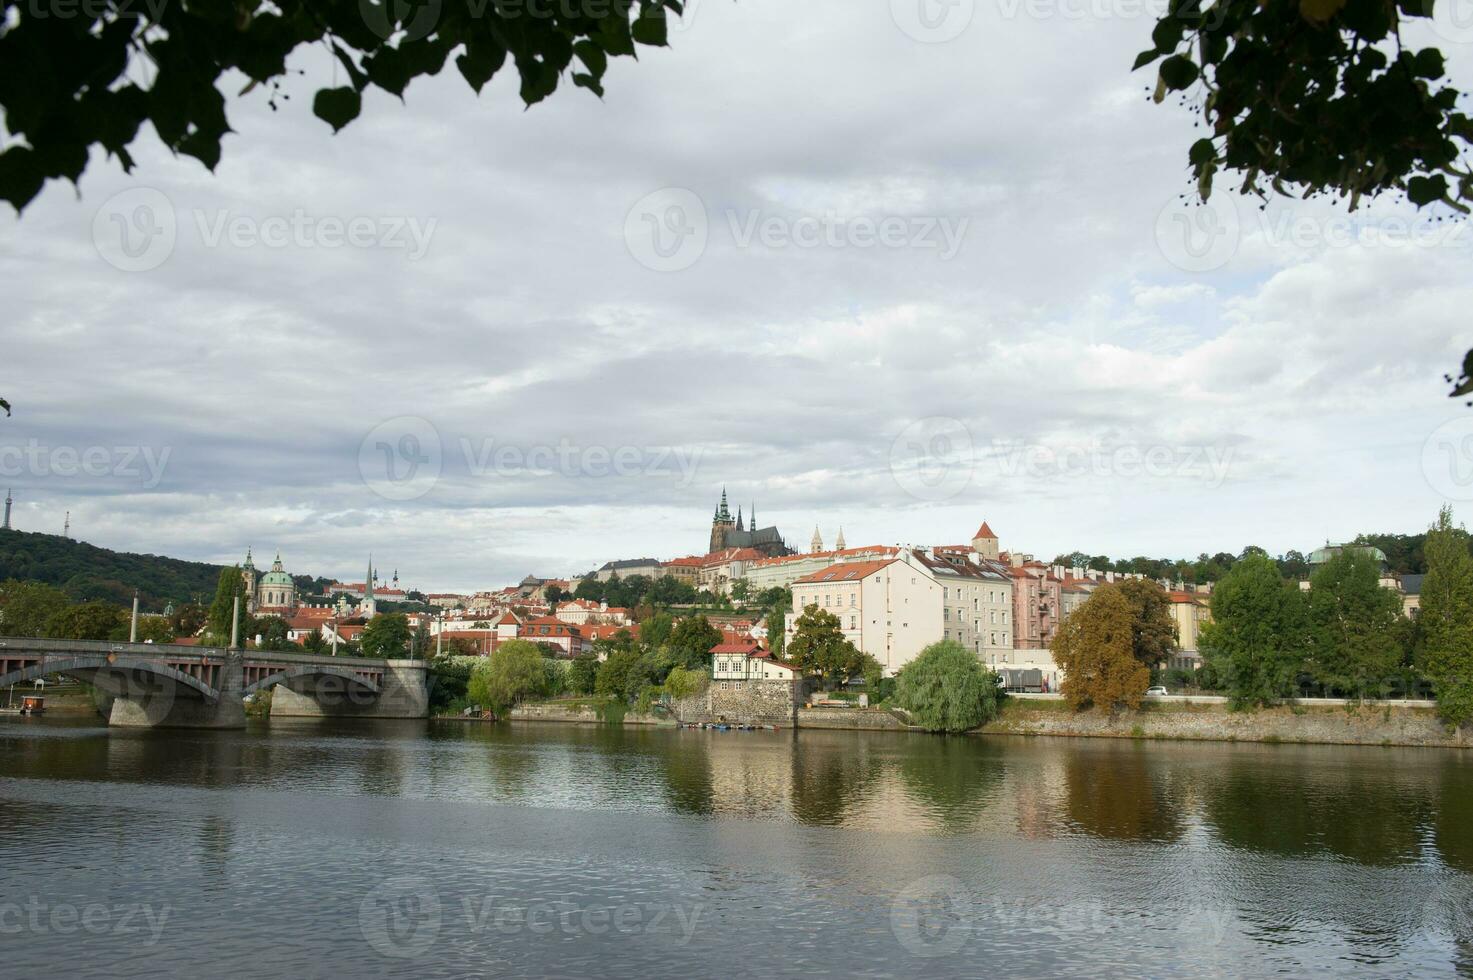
x: 88, y: 572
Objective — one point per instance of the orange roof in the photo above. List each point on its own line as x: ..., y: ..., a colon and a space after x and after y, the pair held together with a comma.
x: 984, y: 532
x: 850, y: 571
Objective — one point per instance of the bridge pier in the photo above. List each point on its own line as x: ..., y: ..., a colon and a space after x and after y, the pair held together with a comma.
x: 168, y: 707
x: 404, y: 693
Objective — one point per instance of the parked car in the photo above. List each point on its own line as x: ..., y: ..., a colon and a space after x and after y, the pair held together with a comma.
x: 1157, y: 692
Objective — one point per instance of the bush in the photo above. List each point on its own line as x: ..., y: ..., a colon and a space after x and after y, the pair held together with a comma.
x: 946, y: 689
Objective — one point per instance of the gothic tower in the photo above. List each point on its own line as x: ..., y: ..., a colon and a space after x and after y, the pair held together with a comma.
x: 722, y: 524
x: 816, y: 545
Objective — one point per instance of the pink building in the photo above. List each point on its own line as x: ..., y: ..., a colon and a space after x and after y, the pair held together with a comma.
x: 1037, y: 603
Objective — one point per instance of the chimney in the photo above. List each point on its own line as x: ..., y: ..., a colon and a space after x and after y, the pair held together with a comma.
x: 1015, y: 559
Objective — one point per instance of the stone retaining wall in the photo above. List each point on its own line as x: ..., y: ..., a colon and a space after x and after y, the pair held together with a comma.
x: 1364, y: 725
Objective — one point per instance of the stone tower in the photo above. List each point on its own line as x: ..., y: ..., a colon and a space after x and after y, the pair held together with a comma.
x: 6, y: 525
x: 816, y: 545
x: 984, y: 542
x: 839, y: 542
x: 248, y: 577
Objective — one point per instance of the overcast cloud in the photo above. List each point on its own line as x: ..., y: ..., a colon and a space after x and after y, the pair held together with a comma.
x: 940, y: 282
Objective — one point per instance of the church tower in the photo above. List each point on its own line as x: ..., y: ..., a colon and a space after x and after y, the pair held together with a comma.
x: 248, y: 578
x: 722, y: 524
x: 367, y: 608
x: 839, y: 544
x: 816, y: 545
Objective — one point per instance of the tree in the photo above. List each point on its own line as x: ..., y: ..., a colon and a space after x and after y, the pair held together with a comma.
x: 556, y: 594
x: 819, y: 646
x: 274, y: 634
x: 582, y: 675
x: 1095, y: 648
x: 155, y: 628
x: 777, y: 636
x: 386, y: 637
x: 1446, y: 618
x: 946, y: 689
x: 1315, y: 97
x: 188, y: 618
x: 1257, y: 639
x: 230, y: 587
x: 741, y: 590
x: 683, y: 682
x: 110, y: 68
x: 692, y: 640
x: 656, y: 630
x: 620, y: 676
x: 1354, y: 637
x: 26, y: 607
x: 1153, y: 630
x: 513, y: 671
x: 89, y: 621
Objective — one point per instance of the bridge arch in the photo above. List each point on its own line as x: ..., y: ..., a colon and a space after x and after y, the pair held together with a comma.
x: 355, y: 681
x: 88, y: 667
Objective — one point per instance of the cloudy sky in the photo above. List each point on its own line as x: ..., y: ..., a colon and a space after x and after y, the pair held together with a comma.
x: 894, y: 274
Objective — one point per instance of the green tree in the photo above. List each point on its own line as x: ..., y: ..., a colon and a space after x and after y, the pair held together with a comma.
x: 683, y: 682
x: 582, y: 675
x: 692, y: 640
x: 946, y: 689
x: 1095, y: 648
x: 1257, y: 640
x: 89, y: 621
x: 741, y: 590
x: 514, y: 671
x: 221, y: 617
x: 273, y: 633
x: 386, y: 637
x: 155, y: 628
x: 168, y: 68
x: 819, y: 646
x: 621, y: 675
x: 656, y: 630
x: 1446, y: 618
x: 777, y: 636
x: 26, y: 607
x: 187, y: 618
x: 1354, y: 633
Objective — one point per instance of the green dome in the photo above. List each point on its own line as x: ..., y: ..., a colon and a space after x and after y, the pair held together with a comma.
x: 1321, y: 555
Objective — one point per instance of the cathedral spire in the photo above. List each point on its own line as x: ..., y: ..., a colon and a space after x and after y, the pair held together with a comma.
x: 816, y: 545
x: 740, y: 526
x: 839, y: 544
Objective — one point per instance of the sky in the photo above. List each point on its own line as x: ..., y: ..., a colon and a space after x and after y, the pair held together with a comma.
x: 895, y: 266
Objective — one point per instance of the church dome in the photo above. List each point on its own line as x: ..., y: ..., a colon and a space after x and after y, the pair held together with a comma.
x: 277, y: 576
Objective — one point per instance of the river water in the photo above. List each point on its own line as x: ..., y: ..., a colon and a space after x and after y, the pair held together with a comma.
x: 441, y: 849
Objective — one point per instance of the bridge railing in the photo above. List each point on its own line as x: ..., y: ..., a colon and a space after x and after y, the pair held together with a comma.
x: 157, y: 650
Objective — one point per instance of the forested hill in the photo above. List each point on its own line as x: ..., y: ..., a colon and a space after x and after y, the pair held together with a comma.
x: 88, y: 572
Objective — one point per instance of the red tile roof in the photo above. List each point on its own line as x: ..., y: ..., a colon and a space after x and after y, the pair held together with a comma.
x: 851, y: 571
x: 984, y: 532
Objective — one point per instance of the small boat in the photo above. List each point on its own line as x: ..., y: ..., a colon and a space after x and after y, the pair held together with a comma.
x: 33, y: 704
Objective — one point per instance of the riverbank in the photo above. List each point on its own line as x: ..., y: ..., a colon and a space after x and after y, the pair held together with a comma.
x: 1303, y: 723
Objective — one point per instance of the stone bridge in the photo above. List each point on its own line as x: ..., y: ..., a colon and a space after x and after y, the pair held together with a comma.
x: 157, y: 685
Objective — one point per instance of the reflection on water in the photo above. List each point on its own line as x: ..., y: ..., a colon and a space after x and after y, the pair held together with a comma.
x: 800, y: 850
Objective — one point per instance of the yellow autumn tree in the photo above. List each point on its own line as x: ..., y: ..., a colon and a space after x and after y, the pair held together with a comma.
x: 1095, y: 648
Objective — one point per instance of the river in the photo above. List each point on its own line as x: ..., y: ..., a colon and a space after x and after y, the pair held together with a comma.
x: 442, y: 849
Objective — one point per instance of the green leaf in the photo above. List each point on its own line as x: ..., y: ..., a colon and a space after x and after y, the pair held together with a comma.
x: 1202, y: 151
x: 337, y: 106
x: 1425, y: 190
x: 1428, y: 63
x: 1178, y: 72
x: 1145, y: 58
x: 1166, y: 35
x: 483, y: 58
x: 650, y: 28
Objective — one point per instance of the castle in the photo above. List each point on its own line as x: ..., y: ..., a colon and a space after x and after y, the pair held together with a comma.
x: 729, y: 532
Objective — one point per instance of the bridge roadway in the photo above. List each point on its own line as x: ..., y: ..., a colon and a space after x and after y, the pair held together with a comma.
x: 161, y: 685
